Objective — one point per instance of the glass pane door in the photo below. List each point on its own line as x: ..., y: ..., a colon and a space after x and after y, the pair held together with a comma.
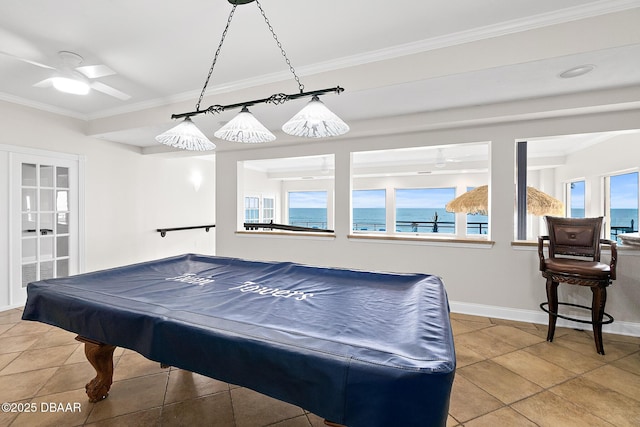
x: 44, y: 220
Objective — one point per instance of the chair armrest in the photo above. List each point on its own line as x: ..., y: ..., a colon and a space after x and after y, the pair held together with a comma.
x: 614, y: 256
x: 541, y: 240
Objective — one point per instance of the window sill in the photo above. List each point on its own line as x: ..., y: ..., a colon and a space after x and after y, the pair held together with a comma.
x: 525, y: 243
x: 268, y: 233
x: 423, y: 240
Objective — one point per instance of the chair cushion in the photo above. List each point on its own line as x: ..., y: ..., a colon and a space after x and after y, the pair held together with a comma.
x: 576, y: 267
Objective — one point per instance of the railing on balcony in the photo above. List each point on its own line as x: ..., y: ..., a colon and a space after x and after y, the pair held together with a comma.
x: 423, y: 227
x: 310, y: 224
x: 615, y: 230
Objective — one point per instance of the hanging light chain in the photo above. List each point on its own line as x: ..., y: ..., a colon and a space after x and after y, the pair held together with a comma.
x: 276, y: 99
x: 275, y: 37
x: 215, y: 57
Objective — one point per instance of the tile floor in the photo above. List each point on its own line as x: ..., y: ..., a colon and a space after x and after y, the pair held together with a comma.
x: 507, y: 375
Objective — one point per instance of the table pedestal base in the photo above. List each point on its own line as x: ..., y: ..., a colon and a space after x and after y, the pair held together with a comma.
x: 101, y: 358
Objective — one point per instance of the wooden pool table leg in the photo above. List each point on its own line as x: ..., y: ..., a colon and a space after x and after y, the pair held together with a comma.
x: 101, y: 358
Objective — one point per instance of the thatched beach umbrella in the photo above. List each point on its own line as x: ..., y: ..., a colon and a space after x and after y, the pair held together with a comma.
x: 476, y: 201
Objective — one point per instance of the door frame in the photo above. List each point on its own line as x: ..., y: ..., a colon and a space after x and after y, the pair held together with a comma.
x: 16, y: 154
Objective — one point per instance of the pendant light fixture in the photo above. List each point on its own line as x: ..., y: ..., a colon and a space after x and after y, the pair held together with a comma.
x: 186, y: 136
x: 315, y: 120
x: 245, y: 128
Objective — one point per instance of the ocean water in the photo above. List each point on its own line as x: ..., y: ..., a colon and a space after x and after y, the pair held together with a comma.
x: 622, y: 220
x: 421, y: 220
x: 308, y: 217
x: 373, y: 219
x: 619, y: 217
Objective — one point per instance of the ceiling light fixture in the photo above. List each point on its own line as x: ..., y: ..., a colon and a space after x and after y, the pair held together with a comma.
x: 577, y: 71
x: 315, y: 120
x: 74, y: 85
x: 186, y: 136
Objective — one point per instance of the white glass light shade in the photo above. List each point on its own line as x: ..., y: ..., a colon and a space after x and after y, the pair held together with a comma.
x: 315, y: 120
x: 70, y: 85
x: 244, y: 128
x: 186, y: 136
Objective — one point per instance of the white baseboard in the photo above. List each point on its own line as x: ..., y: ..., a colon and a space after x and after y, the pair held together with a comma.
x: 10, y: 307
x: 538, y: 316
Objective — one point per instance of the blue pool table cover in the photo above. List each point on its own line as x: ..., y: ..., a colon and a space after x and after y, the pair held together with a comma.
x: 357, y: 348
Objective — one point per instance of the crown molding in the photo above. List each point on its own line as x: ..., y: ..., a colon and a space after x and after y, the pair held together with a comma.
x: 601, y: 7
x: 575, y: 13
x: 41, y: 106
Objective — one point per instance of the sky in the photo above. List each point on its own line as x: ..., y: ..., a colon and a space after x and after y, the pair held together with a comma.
x: 405, y: 198
x: 623, y: 188
x: 624, y: 191
x: 307, y: 199
x: 424, y: 197
x: 368, y: 198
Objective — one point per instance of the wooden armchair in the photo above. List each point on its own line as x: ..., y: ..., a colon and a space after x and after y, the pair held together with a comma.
x: 574, y: 258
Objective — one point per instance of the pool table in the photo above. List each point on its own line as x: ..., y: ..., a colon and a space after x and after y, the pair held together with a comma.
x: 358, y: 348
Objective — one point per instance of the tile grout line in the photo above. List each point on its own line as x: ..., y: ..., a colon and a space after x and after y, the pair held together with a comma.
x: 543, y: 389
x: 164, y: 396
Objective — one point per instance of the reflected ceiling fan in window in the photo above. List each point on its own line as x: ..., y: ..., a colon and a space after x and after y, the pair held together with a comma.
x: 442, y: 160
x: 73, y: 77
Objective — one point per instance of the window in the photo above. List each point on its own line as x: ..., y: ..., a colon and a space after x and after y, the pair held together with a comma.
x: 422, y: 210
x: 576, y: 194
x: 254, y: 206
x: 369, y: 211
x: 268, y: 209
x: 289, y: 191
x: 404, y: 191
x: 251, y: 209
x: 308, y: 209
x: 477, y: 223
x: 594, y: 182
x: 623, y: 203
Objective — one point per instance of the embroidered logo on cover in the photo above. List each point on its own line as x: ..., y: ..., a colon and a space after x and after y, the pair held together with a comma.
x: 191, y: 278
x: 253, y: 287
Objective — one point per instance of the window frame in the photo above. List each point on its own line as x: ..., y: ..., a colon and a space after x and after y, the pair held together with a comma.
x: 569, y: 197
x: 268, y: 213
x: 606, y: 203
x: 308, y: 223
x: 385, y: 207
x: 434, y: 227
x: 261, y: 218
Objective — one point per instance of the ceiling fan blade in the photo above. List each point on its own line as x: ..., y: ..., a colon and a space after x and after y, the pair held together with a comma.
x: 44, y: 83
x: 95, y: 71
x: 28, y: 61
x: 101, y: 87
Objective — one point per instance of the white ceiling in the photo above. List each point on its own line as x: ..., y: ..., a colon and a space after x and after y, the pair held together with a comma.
x: 393, y: 58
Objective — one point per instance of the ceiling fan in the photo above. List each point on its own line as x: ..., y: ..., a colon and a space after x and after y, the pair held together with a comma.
x: 71, y: 77
x: 441, y: 160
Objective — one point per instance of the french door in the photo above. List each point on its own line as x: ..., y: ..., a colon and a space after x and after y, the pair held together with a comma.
x: 44, y: 220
